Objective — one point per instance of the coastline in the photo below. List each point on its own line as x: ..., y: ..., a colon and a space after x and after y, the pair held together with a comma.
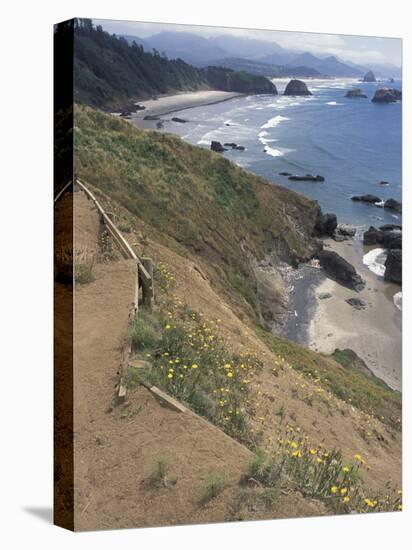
x: 168, y: 104
x: 373, y: 333
x: 320, y: 324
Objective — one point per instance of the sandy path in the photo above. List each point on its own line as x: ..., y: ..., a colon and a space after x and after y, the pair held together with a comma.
x: 374, y: 333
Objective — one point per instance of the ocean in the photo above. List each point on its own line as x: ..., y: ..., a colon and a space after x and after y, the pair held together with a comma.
x: 354, y: 143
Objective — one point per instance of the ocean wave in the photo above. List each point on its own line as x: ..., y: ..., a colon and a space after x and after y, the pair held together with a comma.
x: 333, y: 103
x: 273, y: 152
x: 397, y: 300
x: 271, y: 123
x: 375, y: 261
x: 230, y: 122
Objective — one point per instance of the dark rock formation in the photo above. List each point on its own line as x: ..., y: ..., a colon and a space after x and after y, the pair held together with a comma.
x: 369, y: 77
x: 217, y: 147
x: 340, y: 270
x: 373, y: 236
x: 324, y: 295
x: 234, y: 146
x: 181, y: 120
x: 285, y: 174
x: 384, y: 183
x: 357, y: 92
x: 387, y: 95
x: 296, y: 87
x: 126, y: 114
x: 151, y: 117
x: 393, y: 265
x: 140, y: 107
x: 372, y: 199
x: 391, y: 80
x: 357, y: 303
x: 325, y: 224
x: 393, y: 204
x: 388, y: 239
x: 307, y: 177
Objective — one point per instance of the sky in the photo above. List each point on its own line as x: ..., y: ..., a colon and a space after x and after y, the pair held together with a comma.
x: 358, y: 49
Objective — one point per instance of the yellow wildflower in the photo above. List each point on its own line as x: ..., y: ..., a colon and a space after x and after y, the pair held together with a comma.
x: 170, y: 375
x: 345, y: 500
x: 194, y: 366
x: 343, y: 491
x: 230, y: 375
x: 334, y: 490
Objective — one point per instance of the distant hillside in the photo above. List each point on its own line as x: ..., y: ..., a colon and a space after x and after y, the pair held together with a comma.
x: 331, y: 65
x: 265, y: 69
x: 110, y: 72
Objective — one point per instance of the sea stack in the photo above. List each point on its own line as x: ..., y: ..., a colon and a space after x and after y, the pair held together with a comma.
x: 387, y: 95
x: 369, y: 77
x: 357, y: 92
x: 296, y: 87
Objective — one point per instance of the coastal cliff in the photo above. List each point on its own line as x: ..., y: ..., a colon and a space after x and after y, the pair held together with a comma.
x: 199, y: 201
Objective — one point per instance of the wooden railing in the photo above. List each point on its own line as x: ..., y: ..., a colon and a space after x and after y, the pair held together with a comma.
x: 144, y: 281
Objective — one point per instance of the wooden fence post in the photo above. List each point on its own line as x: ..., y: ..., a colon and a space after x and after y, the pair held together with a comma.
x: 147, y: 285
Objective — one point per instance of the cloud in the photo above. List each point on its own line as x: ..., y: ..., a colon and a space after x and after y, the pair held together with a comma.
x: 359, y: 49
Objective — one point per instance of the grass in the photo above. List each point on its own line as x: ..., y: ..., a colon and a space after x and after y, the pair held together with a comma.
x: 145, y: 332
x: 367, y: 393
x: 255, y: 499
x: 157, y: 478
x: 322, y: 475
x: 245, y: 214
x: 124, y: 227
x: 189, y: 360
x: 213, y: 486
x: 79, y: 264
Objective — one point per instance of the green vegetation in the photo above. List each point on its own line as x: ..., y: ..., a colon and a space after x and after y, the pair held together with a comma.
x: 221, y: 78
x: 188, y: 359
x: 180, y: 183
x: 145, y: 331
x: 157, y: 478
x: 110, y: 73
x: 254, y: 499
x: 213, y: 486
x: 368, y: 393
x: 322, y: 475
x: 124, y: 227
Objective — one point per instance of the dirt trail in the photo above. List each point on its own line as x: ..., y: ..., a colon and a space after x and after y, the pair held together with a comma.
x: 115, y: 453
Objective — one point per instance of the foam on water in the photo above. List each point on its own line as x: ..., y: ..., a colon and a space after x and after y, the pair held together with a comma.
x: 333, y: 103
x: 273, y: 122
x: 273, y: 152
x: 397, y: 300
x: 375, y: 261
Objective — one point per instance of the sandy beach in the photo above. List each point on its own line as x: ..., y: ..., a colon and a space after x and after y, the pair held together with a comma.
x: 165, y: 105
x: 373, y: 333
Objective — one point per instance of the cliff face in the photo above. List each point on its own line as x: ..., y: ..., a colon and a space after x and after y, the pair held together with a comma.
x: 196, y: 199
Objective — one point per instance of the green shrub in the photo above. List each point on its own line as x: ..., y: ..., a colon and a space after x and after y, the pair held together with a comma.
x: 157, y: 478
x: 145, y: 332
x: 213, y: 486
